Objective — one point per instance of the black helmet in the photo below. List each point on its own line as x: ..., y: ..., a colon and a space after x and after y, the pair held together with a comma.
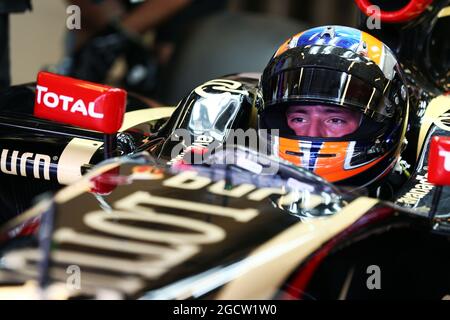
x: 348, y: 86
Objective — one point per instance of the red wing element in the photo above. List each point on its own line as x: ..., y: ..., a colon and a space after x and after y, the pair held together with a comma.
x: 409, y: 12
x: 106, y: 182
x: 439, y: 161
x: 79, y: 103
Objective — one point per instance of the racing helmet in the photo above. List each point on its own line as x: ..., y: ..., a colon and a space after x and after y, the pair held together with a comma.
x: 335, y: 103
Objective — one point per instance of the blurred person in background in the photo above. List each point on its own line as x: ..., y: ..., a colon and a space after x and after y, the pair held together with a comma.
x: 6, y: 8
x: 116, y: 28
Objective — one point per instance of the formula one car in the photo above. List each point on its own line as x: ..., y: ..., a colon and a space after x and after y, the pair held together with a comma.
x: 204, y: 244
x: 216, y: 231
x: 57, y: 154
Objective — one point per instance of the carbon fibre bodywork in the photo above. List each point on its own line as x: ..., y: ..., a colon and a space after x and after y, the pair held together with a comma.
x: 215, y: 231
x: 58, y: 155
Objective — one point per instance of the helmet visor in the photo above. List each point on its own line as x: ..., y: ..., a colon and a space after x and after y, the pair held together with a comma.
x: 325, y: 86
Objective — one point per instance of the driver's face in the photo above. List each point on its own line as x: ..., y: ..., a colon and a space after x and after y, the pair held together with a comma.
x: 322, y: 121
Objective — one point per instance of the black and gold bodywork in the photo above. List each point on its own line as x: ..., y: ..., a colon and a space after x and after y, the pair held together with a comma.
x: 39, y: 155
x: 217, y: 231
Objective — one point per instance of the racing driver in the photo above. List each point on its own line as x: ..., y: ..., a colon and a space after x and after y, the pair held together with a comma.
x: 339, y: 101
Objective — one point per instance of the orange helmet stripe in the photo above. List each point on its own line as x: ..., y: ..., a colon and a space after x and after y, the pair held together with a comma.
x: 289, y: 145
x: 285, y: 46
x: 375, y: 48
x: 327, y: 165
x: 330, y: 165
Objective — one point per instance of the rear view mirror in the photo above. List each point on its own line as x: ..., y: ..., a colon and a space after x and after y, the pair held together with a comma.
x: 82, y: 104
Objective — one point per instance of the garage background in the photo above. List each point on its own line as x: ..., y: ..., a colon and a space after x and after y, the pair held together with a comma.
x: 37, y: 38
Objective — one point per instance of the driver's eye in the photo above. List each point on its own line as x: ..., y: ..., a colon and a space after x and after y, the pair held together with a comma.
x: 298, y: 120
x: 336, y: 121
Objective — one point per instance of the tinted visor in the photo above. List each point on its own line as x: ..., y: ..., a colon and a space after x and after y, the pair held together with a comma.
x: 325, y: 86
